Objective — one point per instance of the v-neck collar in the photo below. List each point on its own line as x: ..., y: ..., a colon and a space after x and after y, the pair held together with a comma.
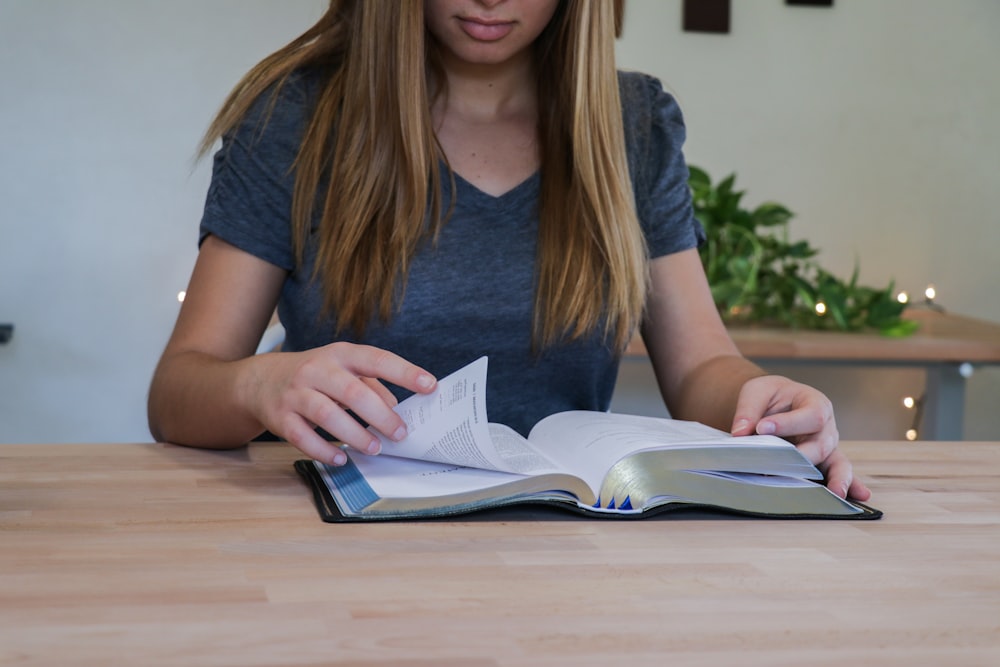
x: 469, y: 193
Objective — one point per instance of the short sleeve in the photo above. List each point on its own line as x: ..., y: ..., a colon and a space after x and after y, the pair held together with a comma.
x: 654, y: 138
x: 249, y: 199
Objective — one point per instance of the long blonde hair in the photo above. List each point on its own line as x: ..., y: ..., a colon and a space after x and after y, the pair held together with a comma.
x: 384, y: 194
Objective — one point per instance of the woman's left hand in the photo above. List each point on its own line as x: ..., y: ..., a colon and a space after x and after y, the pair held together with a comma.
x: 775, y: 405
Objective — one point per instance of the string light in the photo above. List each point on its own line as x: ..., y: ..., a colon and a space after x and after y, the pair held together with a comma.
x: 965, y: 370
x: 181, y: 295
x: 917, y: 405
x: 820, y: 308
x: 929, y: 300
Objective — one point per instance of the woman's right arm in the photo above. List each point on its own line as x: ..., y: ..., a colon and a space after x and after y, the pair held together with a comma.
x: 211, y: 390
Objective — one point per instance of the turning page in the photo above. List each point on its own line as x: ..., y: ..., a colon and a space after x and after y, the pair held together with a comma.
x: 450, y: 425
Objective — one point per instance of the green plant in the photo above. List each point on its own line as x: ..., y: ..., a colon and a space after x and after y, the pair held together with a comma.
x: 758, y: 276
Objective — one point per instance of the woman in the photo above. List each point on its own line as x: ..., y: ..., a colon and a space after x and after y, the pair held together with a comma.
x: 416, y: 184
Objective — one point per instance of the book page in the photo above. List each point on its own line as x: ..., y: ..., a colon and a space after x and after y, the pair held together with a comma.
x: 393, y: 477
x: 450, y: 426
x: 588, y: 444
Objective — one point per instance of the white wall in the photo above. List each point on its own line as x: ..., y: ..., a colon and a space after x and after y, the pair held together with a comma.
x: 102, y: 103
x: 873, y: 120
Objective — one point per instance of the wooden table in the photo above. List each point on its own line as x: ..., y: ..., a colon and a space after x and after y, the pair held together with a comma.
x: 947, y: 348
x: 160, y: 555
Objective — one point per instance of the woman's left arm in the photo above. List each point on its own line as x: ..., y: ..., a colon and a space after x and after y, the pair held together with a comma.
x: 703, y: 377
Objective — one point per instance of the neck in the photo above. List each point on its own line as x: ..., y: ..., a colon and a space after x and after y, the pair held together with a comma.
x: 488, y: 91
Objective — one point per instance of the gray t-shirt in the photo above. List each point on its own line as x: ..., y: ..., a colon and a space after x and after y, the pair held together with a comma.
x: 471, y: 294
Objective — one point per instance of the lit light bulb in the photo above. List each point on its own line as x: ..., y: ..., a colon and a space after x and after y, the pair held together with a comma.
x: 911, y: 434
x: 181, y: 295
x: 909, y: 402
x: 930, y: 293
x: 821, y: 308
x: 903, y: 297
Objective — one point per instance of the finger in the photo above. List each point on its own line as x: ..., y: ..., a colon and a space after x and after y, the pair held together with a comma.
x: 301, y: 435
x: 811, y: 425
x: 816, y: 446
x: 298, y: 427
x: 840, y: 478
x: 335, y: 419
x: 859, y: 491
x: 753, y: 402
x: 807, y: 418
x: 838, y: 473
x: 373, y: 362
x: 360, y: 397
x: 382, y: 391
x: 356, y: 389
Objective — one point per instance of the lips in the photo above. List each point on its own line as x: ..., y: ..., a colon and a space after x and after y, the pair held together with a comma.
x: 485, y: 30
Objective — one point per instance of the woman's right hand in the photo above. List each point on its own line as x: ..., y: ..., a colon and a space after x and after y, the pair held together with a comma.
x: 211, y: 390
x: 292, y: 393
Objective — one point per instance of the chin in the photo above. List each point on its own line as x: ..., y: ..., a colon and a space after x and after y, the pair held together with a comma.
x: 487, y: 54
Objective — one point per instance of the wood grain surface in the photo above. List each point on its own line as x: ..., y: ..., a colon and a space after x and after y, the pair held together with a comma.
x: 116, y: 554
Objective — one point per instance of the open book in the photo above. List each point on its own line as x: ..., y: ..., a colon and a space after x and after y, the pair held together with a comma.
x: 607, y: 465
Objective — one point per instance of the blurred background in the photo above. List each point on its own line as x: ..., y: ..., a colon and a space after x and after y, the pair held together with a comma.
x: 874, y: 121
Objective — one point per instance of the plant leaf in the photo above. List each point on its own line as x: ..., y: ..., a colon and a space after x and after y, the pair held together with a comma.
x: 757, y: 274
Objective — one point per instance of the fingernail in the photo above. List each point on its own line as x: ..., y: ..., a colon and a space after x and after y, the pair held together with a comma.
x: 740, y: 425
x: 339, y: 459
x: 425, y: 381
x: 399, y: 433
x: 766, y: 428
x: 374, y: 447
x: 844, y: 488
